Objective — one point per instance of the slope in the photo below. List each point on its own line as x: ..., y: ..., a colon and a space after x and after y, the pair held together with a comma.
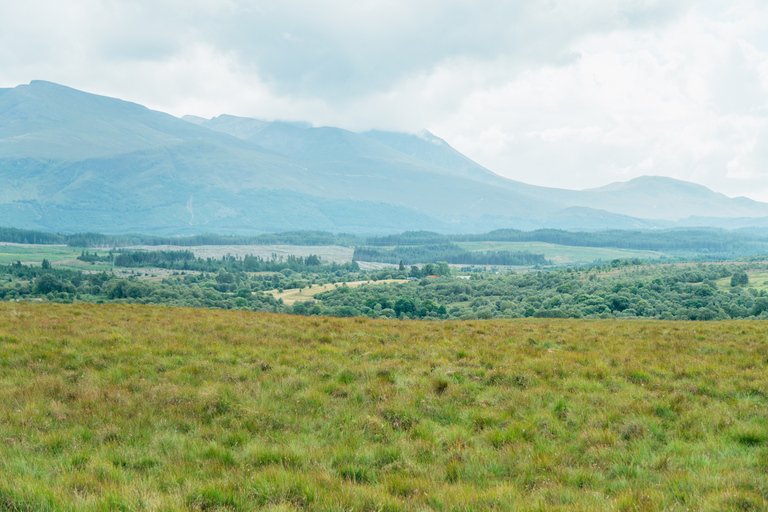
x: 73, y: 161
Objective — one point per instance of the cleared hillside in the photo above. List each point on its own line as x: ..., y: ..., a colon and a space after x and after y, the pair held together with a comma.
x: 150, y: 408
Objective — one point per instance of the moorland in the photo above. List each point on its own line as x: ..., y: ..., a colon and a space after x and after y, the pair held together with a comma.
x: 126, y: 407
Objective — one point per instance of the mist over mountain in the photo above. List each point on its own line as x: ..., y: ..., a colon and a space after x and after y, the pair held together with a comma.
x: 73, y: 161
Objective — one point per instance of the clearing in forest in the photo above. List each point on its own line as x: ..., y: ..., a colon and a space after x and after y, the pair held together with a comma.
x: 303, y: 294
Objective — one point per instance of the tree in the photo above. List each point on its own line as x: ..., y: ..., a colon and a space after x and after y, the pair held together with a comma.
x: 46, y: 264
x: 404, y: 305
x: 739, y: 278
x: 47, y: 283
x: 401, y: 267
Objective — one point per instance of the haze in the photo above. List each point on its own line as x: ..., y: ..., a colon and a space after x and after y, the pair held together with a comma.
x: 562, y: 93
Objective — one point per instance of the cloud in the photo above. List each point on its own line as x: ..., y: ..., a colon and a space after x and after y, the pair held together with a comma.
x: 686, y: 99
x: 559, y: 92
x: 330, y: 49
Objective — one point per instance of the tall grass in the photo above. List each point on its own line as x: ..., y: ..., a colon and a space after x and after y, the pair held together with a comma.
x: 151, y: 408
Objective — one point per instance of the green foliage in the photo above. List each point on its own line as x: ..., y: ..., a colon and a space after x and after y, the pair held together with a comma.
x: 622, y: 289
x: 739, y: 278
x: 450, y: 253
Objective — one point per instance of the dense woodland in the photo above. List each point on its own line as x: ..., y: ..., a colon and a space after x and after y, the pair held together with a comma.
x: 623, y: 289
x: 448, y: 252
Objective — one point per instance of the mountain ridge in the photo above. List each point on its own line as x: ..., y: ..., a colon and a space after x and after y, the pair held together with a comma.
x: 74, y: 161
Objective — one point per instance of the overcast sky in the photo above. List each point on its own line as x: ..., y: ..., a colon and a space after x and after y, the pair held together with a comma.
x: 567, y: 93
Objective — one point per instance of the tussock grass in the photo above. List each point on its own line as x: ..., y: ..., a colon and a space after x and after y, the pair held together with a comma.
x: 149, y: 408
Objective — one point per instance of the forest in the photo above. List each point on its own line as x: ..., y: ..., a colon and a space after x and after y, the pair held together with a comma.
x: 621, y: 289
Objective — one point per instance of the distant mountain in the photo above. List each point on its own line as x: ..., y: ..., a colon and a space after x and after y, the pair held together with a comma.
x: 362, y: 168
x: 194, y: 119
x: 657, y: 197
x: 73, y: 161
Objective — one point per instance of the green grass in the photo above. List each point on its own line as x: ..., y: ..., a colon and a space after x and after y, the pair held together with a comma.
x: 150, y: 408
x: 35, y: 254
x: 757, y: 280
x: 561, y: 254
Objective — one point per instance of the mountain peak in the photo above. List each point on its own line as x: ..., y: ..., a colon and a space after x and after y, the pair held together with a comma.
x: 650, y: 182
x: 194, y: 119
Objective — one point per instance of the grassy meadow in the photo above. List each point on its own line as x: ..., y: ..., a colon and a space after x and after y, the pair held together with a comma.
x: 35, y: 254
x: 124, y: 407
x: 758, y: 280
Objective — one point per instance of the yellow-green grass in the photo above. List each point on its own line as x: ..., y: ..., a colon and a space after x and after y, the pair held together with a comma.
x: 294, y: 295
x: 118, y: 407
x: 562, y: 254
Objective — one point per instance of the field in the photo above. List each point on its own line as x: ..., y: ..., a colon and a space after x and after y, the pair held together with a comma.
x: 561, y: 254
x: 118, y: 407
x: 34, y: 254
x: 757, y: 279
x: 291, y: 296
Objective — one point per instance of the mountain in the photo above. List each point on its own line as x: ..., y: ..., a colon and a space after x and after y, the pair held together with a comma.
x: 657, y: 197
x: 73, y: 161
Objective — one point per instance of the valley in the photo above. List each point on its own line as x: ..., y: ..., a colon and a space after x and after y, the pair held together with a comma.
x: 233, y: 314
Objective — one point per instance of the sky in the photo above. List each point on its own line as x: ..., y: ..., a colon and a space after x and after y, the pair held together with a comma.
x: 564, y: 93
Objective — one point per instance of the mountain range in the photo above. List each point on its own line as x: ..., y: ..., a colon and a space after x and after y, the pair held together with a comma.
x: 73, y: 161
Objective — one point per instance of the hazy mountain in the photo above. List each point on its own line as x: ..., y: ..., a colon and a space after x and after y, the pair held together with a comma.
x: 656, y: 197
x: 194, y: 119
x: 73, y: 161
x: 358, y: 167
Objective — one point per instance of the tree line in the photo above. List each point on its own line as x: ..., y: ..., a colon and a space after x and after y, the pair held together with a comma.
x: 687, y: 241
x: 448, y: 252
x: 704, y: 242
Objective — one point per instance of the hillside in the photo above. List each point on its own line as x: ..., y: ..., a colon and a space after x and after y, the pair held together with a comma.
x: 73, y: 161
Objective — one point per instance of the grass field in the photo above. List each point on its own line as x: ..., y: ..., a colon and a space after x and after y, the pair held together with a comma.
x: 151, y: 408
x: 291, y: 296
x: 757, y: 280
x: 34, y: 254
x: 561, y: 254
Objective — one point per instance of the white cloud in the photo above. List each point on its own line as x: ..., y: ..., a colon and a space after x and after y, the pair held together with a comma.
x: 563, y: 93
